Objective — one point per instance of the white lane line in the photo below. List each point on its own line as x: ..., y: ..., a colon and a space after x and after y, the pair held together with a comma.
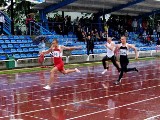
x: 70, y: 80
x: 77, y: 85
x: 114, y: 108
x: 153, y: 117
x: 86, y: 101
x: 100, y: 97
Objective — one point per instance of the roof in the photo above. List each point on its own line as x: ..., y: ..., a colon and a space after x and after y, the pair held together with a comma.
x: 94, y: 6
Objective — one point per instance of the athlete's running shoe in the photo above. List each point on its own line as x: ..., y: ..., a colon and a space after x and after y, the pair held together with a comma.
x: 117, y: 82
x: 104, y: 71
x: 104, y: 86
x: 47, y: 87
x: 136, y: 70
x: 78, y: 71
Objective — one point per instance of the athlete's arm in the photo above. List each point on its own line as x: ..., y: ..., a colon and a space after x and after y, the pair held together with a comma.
x: 46, y: 52
x: 117, y: 47
x: 70, y: 48
x: 112, y: 47
x: 135, y: 50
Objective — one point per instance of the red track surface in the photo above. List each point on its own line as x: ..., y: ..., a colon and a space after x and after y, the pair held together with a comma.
x: 82, y: 96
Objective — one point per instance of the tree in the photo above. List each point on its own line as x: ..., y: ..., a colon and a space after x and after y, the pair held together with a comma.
x: 21, y: 9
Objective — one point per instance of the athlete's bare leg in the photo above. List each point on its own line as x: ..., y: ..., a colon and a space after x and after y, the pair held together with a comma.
x: 118, y: 63
x: 70, y: 71
x: 52, y: 73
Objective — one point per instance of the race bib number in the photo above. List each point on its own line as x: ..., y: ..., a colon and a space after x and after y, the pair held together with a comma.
x: 56, y: 54
x: 123, y: 52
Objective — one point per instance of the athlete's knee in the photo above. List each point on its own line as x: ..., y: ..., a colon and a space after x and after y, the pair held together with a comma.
x: 125, y: 69
x: 65, y: 72
x: 52, y: 72
x: 104, y: 59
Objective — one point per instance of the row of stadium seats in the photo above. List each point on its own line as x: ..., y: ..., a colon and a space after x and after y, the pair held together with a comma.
x: 147, y: 48
x: 17, y: 45
x: 15, y: 37
x: 19, y: 50
x: 19, y: 56
x: 23, y: 47
x: 83, y: 52
x: 15, y: 41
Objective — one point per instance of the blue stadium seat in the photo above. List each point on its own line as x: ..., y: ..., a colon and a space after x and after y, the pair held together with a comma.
x: 16, y: 37
x: 16, y: 56
x: 36, y: 49
x: 22, y: 45
x: 19, y: 50
x: 27, y: 45
x: 33, y: 45
x: 21, y: 37
x: 1, y: 41
x: 24, y: 41
x: 10, y: 55
x: 19, y: 41
x: 104, y: 51
x: 13, y: 41
x: 10, y: 45
x: 23, y: 55
x: 3, y: 57
x: 4, y: 37
x: 25, y: 49
x: 1, y: 51
x: 29, y: 55
x: 35, y: 54
x: 74, y: 36
x: 7, y: 41
x: 31, y: 50
x: 30, y: 41
x: 4, y: 46
x: 8, y: 51
x: 74, y: 52
x: 13, y: 50
x: 16, y: 46
x: 95, y: 51
x: 99, y: 51
x: 65, y: 36
x: 60, y: 36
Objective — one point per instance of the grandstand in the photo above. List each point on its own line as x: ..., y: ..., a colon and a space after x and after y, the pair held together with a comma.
x: 90, y: 95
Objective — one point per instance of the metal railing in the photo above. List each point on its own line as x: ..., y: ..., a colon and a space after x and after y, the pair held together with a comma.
x: 50, y: 28
x: 38, y: 29
x: 7, y: 24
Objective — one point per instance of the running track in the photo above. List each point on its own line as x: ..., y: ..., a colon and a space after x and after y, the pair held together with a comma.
x: 82, y: 96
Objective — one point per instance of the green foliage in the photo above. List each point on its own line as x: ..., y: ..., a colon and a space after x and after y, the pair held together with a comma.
x: 3, y: 3
x: 21, y: 9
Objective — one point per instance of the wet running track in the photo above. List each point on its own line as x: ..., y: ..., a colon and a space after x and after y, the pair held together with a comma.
x: 86, y: 96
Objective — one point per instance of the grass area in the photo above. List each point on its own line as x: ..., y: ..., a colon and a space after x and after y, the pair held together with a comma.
x: 36, y: 69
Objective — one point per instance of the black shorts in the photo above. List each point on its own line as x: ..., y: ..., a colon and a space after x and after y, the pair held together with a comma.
x: 111, y: 58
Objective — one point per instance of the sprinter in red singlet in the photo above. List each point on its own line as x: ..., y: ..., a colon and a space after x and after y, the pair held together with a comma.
x: 57, y: 52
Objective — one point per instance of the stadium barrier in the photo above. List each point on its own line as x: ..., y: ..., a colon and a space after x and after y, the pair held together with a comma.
x: 33, y: 62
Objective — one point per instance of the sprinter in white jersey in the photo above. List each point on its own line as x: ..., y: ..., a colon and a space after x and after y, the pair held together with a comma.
x: 110, y: 56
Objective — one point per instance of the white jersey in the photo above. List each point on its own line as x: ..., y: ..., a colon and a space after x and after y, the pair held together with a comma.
x: 110, y: 53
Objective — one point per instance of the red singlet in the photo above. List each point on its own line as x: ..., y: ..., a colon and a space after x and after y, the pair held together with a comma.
x: 57, y: 58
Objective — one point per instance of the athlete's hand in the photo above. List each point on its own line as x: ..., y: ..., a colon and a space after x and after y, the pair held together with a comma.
x: 41, y: 53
